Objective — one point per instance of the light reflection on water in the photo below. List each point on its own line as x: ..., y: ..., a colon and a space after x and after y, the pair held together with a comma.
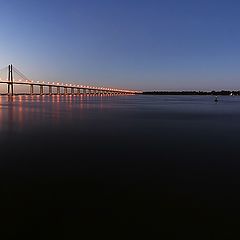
x: 24, y: 111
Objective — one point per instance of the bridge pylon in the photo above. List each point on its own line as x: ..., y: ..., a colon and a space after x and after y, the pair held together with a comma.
x: 10, y: 80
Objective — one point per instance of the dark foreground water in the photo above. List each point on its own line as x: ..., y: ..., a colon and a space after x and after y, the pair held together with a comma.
x: 119, y: 167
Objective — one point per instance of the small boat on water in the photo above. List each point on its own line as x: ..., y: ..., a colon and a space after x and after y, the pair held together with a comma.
x: 216, y: 99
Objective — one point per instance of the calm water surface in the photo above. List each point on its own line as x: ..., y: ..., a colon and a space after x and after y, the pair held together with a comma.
x: 77, y: 167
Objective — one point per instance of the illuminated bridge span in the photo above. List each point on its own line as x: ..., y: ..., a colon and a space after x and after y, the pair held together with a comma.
x: 12, y: 76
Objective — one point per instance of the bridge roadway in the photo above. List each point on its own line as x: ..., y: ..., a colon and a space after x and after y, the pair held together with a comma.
x: 81, y: 89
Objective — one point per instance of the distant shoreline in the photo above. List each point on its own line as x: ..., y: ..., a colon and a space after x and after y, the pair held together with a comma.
x: 222, y: 92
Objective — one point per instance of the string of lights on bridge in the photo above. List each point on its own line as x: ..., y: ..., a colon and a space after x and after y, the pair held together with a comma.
x: 22, y: 79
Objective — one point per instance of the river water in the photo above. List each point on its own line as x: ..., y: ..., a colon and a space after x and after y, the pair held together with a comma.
x: 77, y: 167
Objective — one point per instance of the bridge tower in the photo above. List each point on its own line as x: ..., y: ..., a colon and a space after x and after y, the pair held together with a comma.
x: 10, y: 80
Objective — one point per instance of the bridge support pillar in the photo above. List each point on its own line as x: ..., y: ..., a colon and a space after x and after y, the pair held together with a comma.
x: 31, y: 89
x: 72, y: 91
x: 50, y: 90
x: 41, y: 90
x: 58, y: 90
x: 65, y: 90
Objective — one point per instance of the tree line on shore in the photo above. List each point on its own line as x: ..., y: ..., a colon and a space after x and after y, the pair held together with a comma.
x: 222, y: 92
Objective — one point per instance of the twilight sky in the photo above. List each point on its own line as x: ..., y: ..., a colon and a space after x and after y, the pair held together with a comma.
x: 137, y: 44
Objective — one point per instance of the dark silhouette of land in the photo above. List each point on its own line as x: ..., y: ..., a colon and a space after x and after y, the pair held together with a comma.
x: 222, y: 92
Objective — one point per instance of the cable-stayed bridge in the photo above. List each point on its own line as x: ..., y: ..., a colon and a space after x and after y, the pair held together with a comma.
x: 12, y: 76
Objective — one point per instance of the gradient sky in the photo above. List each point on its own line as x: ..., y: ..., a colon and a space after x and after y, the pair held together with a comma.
x: 138, y: 44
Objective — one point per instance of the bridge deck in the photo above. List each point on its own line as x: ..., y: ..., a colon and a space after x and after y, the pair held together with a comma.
x: 10, y: 81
